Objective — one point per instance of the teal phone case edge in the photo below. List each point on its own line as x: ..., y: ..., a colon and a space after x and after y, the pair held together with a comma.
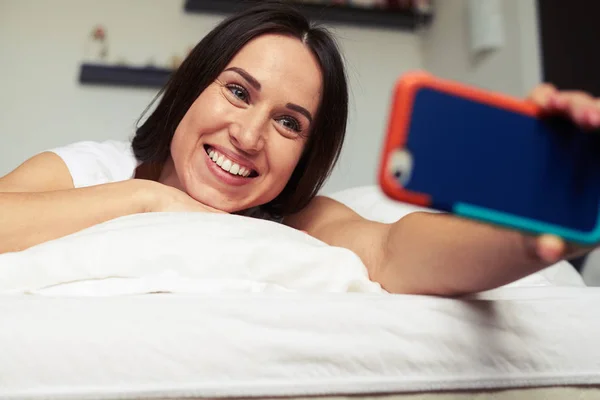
x: 527, y: 224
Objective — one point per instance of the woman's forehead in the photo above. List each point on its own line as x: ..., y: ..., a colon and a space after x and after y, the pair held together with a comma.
x: 281, y: 61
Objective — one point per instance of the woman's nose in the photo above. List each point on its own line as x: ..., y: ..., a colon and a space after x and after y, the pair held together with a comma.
x: 247, y: 137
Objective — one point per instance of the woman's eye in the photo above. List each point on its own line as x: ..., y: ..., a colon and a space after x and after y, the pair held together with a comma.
x: 239, y: 92
x: 291, y: 124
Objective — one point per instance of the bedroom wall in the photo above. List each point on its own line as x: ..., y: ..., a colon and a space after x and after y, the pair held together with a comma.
x: 514, y: 68
x: 42, y: 43
x: 42, y: 105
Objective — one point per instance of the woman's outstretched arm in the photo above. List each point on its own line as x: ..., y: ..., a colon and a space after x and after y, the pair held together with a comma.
x: 424, y: 253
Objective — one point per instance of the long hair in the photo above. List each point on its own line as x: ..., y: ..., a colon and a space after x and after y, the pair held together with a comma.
x: 212, y: 54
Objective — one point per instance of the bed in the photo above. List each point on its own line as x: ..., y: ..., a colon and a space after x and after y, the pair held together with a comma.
x: 219, y: 306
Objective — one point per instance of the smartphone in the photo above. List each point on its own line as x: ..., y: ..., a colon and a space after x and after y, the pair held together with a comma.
x: 490, y: 157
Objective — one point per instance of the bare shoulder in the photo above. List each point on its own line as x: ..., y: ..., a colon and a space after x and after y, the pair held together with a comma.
x: 338, y: 225
x: 321, y: 211
x: 43, y: 172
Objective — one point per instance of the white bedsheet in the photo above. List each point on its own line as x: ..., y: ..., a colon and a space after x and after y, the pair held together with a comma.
x: 258, y: 309
x: 278, y: 344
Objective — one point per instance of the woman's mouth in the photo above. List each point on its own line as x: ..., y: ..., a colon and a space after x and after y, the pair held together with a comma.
x: 228, y: 165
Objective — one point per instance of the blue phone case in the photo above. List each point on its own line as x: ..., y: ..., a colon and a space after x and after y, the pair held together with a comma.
x: 495, y: 165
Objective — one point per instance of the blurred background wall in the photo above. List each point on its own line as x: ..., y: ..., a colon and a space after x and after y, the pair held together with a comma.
x: 42, y: 104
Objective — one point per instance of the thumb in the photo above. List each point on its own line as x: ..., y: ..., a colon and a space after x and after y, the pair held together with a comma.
x: 550, y: 248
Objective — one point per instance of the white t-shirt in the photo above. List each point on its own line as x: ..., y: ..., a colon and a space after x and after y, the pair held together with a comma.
x: 95, y: 163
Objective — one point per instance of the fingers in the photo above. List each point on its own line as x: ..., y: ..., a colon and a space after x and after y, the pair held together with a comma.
x: 579, y: 106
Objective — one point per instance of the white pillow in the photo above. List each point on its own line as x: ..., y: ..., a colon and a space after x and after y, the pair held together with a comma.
x: 184, y: 252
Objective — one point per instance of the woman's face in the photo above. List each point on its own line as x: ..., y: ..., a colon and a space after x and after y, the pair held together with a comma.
x: 239, y: 142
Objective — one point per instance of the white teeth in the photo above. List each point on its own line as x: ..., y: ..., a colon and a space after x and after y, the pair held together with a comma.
x: 228, y: 165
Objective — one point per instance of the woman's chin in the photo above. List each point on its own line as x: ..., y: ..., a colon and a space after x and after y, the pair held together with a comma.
x: 218, y: 202
x: 217, y: 198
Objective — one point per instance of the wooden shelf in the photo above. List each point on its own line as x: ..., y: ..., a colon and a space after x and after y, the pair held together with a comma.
x: 371, y: 17
x: 116, y: 75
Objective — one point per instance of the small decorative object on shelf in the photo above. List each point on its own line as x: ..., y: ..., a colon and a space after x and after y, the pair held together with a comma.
x: 96, y: 70
x: 96, y: 48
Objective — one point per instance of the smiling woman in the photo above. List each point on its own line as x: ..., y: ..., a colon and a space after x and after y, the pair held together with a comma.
x: 239, y: 128
x: 252, y: 123
x: 250, y: 92
x: 260, y: 110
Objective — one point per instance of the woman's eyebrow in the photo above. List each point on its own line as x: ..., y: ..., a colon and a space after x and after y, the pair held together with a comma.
x: 256, y: 85
x: 301, y: 110
x: 251, y: 80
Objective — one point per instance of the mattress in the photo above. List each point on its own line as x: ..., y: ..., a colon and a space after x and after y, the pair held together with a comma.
x: 294, y: 344
x: 560, y: 393
x: 219, y: 306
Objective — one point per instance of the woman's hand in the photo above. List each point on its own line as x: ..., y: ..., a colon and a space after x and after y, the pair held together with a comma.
x: 581, y: 107
x: 163, y: 198
x: 584, y: 110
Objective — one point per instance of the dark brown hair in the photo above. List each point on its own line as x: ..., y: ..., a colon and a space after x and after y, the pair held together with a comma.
x: 207, y: 60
